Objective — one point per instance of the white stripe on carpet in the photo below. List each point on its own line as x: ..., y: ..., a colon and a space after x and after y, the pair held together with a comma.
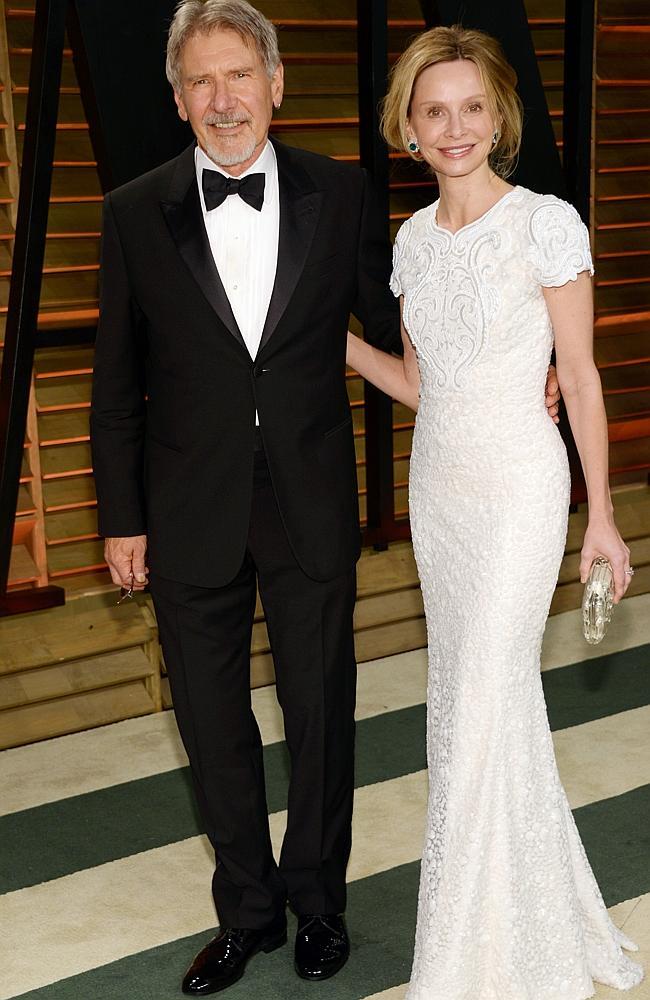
x: 604, y: 758
x: 564, y: 642
x: 138, y: 748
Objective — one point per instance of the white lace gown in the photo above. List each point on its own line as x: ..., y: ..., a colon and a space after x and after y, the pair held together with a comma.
x: 508, y: 906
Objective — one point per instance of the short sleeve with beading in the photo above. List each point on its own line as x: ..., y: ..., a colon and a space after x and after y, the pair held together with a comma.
x: 398, y: 259
x: 559, y: 242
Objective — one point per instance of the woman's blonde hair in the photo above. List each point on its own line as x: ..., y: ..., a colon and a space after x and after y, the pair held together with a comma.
x: 440, y: 45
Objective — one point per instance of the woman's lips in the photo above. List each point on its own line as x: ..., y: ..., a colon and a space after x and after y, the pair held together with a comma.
x: 456, y: 152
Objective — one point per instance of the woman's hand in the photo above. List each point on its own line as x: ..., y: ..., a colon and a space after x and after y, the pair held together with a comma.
x: 552, y: 393
x: 602, y: 539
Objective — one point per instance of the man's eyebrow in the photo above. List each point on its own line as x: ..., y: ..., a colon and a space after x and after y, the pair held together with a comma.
x: 235, y: 69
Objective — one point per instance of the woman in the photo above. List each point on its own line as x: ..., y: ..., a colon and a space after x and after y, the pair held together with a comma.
x: 488, y: 277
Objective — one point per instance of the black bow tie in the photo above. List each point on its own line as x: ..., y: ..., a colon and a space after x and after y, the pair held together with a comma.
x: 217, y: 187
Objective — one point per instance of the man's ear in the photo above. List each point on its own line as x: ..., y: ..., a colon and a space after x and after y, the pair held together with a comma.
x: 182, y: 113
x: 277, y: 85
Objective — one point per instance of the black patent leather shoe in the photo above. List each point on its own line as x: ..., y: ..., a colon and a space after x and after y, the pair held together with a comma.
x: 223, y: 960
x: 322, y: 946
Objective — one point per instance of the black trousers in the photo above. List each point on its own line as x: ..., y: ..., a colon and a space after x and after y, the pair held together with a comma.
x: 206, y: 635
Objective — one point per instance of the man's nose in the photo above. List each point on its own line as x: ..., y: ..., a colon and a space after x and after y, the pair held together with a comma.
x: 223, y: 98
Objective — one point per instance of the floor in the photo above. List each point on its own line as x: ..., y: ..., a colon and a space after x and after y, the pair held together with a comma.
x: 104, y: 875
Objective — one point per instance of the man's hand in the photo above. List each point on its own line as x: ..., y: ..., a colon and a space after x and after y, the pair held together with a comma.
x: 126, y: 561
x: 552, y: 394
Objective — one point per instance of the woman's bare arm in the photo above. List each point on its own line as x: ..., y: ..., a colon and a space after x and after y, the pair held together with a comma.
x: 397, y: 377
x: 571, y: 311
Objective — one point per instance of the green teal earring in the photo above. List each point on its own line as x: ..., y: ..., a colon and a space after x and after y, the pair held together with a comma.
x: 413, y: 146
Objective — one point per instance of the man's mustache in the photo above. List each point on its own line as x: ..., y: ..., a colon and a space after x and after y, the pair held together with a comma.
x: 225, y: 119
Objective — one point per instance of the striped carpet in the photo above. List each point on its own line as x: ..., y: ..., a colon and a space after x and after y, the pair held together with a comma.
x: 105, y: 875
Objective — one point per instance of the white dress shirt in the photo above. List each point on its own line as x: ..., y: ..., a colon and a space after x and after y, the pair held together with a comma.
x: 244, y: 244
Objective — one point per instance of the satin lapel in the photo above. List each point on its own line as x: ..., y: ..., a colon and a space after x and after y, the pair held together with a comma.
x: 185, y: 221
x: 299, y: 212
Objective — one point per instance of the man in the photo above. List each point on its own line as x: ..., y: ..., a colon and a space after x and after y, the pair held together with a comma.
x: 229, y: 275
x: 223, y: 449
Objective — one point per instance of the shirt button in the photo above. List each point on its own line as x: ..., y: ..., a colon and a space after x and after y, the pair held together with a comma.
x: 235, y: 287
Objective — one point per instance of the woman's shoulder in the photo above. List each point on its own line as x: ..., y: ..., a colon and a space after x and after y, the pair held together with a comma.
x: 556, y: 240
x: 541, y: 210
x: 416, y: 224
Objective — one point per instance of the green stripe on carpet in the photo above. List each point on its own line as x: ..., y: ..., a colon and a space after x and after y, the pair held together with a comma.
x: 88, y: 830
x: 592, y: 689
x: 616, y: 836
x: 381, y: 920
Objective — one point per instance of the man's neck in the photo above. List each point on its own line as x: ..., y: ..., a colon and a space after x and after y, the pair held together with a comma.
x: 237, y: 169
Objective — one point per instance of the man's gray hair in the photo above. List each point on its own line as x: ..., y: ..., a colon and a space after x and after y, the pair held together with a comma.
x: 202, y: 17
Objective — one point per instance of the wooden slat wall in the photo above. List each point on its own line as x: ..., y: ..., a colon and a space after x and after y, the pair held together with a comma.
x: 318, y: 39
x: 58, y: 418
x: 28, y: 565
x: 69, y: 293
x: 622, y: 229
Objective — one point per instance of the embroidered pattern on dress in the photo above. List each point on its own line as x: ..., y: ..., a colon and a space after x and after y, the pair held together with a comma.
x: 559, y: 243
x: 449, y: 310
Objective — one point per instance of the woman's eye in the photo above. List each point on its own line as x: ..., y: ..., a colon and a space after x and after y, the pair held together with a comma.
x: 475, y: 107
x: 433, y: 112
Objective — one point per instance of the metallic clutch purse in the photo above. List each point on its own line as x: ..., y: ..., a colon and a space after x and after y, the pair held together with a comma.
x: 597, y: 601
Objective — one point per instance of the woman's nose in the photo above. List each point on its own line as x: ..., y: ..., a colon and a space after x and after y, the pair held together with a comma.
x: 455, y: 125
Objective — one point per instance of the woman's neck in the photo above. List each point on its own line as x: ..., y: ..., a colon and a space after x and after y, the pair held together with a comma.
x: 465, y: 199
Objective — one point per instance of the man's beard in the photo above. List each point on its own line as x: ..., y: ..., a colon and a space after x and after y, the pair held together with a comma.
x: 236, y: 149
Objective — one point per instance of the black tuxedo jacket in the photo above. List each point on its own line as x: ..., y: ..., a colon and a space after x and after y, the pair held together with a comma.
x: 175, y: 389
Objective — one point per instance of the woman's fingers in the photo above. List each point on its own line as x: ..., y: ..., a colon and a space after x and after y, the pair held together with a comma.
x: 620, y: 566
x: 585, y: 566
x: 552, y: 382
x: 628, y: 573
x: 618, y: 556
x: 619, y: 583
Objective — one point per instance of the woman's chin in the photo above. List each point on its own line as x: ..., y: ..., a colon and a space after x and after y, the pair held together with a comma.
x: 461, y: 167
